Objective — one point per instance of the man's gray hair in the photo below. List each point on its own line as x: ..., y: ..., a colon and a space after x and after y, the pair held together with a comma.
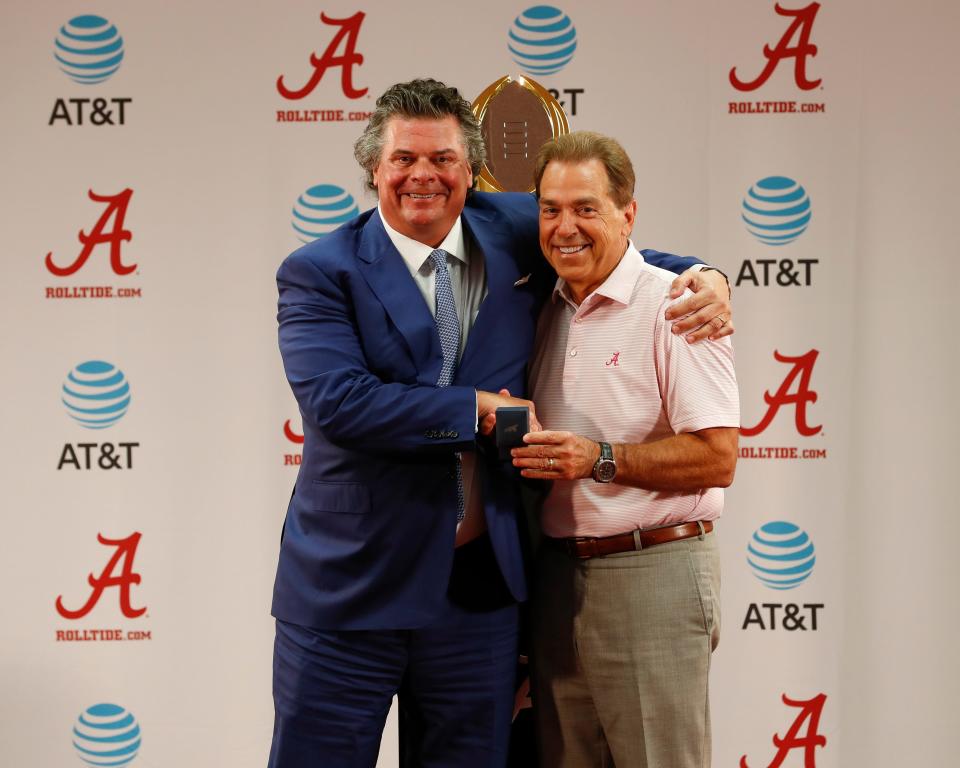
x: 581, y: 146
x: 426, y: 98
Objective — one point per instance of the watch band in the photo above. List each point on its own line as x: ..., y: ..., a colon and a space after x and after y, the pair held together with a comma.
x: 715, y: 269
x: 605, y: 469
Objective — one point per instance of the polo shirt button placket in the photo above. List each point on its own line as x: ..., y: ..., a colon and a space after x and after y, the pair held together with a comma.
x: 574, y: 341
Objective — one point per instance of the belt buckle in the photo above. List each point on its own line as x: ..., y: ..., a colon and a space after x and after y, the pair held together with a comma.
x: 591, y: 550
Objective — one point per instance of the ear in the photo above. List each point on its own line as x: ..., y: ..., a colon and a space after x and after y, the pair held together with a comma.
x: 629, y: 216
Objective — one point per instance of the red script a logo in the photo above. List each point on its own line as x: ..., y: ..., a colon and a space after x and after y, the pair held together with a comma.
x: 116, y: 207
x: 291, y: 434
x: 349, y: 29
x: 802, y: 367
x: 126, y: 549
x: 810, y: 712
x: 802, y: 23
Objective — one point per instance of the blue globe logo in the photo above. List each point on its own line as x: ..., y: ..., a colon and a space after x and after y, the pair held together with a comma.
x: 106, y: 735
x: 89, y: 49
x: 320, y: 210
x: 776, y: 210
x: 542, y: 40
x: 96, y: 394
x: 781, y: 555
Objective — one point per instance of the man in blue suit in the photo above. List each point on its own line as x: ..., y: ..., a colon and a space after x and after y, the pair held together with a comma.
x: 401, y: 333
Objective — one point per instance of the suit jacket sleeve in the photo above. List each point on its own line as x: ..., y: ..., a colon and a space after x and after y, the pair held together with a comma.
x: 668, y: 261
x: 357, y: 402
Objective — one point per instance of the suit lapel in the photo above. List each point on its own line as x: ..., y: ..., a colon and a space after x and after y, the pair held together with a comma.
x: 501, y: 273
x: 388, y: 277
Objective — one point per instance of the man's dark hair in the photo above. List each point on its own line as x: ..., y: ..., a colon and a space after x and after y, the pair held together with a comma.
x: 426, y: 98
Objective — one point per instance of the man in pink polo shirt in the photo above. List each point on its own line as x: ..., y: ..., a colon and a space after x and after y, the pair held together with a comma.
x: 643, y: 436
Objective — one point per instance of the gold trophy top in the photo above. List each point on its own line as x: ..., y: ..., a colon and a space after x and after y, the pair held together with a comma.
x: 516, y: 116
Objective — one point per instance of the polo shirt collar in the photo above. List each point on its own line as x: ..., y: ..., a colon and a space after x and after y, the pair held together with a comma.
x: 619, y: 284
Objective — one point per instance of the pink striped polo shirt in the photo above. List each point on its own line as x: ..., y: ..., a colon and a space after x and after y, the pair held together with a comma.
x: 611, y: 370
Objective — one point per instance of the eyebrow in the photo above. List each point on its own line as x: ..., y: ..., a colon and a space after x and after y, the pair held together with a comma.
x: 582, y: 201
x: 444, y: 151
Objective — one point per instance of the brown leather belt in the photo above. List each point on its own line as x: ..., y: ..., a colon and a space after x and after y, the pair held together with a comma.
x: 586, y: 547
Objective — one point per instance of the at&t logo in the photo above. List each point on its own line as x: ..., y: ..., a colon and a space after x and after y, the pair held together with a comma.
x: 776, y: 211
x: 542, y: 41
x: 795, y: 43
x: 96, y: 395
x: 320, y: 210
x: 89, y: 50
x: 106, y: 734
x: 781, y: 556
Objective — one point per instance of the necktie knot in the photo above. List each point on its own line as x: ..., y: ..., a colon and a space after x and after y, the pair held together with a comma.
x: 439, y: 259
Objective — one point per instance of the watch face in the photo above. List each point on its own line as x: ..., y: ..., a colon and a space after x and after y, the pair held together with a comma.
x: 606, y: 469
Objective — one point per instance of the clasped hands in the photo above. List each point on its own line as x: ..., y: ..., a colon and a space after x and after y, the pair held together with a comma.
x: 548, y: 455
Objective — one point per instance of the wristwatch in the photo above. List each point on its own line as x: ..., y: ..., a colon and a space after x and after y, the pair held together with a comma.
x: 606, y: 468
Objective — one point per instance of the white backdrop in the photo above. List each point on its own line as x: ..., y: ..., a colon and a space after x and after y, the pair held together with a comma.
x: 198, y: 463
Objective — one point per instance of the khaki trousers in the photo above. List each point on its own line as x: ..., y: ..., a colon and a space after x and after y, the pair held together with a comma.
x: 621, y: 656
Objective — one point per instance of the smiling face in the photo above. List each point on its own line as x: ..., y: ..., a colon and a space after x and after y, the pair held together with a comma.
x: 583, y: 232
x: 422, y: 177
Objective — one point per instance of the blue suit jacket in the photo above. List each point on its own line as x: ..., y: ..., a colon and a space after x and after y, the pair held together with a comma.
x: 368, y: 538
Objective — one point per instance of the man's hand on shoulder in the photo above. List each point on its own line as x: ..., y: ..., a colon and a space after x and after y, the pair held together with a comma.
x: 705, y: 314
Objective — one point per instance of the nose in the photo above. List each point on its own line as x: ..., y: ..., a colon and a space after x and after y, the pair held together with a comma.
x: 566, y: 223
x: 422, y: 170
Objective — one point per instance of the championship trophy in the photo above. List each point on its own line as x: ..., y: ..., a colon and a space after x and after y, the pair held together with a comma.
x: 517, y: 117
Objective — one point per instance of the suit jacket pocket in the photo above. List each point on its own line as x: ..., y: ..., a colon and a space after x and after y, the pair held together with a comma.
x: 344, y: 498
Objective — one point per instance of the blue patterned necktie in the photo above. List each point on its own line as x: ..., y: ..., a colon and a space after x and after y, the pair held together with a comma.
x: 448, y: 327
